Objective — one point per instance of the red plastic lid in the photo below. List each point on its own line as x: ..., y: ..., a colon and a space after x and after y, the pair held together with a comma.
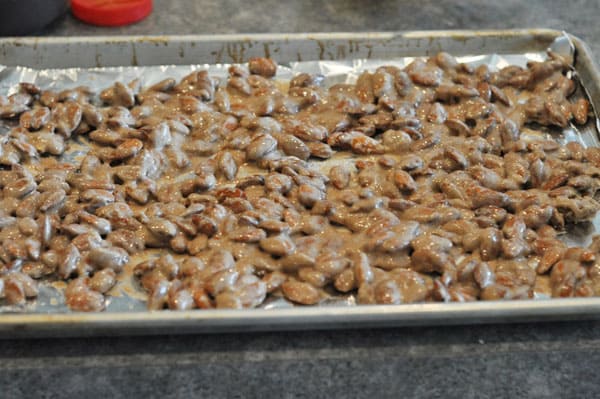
x: 111, y: 12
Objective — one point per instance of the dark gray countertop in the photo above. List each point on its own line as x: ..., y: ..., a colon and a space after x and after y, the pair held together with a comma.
x: 521, y: 360
x: 578, y: 17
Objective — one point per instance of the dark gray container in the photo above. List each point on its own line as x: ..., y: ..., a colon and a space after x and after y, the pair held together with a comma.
x: 23, y: 17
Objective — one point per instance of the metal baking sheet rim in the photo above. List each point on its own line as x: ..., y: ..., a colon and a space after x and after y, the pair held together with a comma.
x: 310, y: 318
x: 146, y: 323
x: 248, y: 320
x: 103, y: 51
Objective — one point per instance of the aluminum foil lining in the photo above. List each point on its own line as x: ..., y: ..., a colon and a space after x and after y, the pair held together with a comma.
x: 126, y: 296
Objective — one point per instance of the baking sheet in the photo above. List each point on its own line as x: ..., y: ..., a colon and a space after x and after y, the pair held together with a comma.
x: 51, y: 301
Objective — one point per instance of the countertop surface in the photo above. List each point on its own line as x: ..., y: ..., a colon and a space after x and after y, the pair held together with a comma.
x: 493, y: 361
